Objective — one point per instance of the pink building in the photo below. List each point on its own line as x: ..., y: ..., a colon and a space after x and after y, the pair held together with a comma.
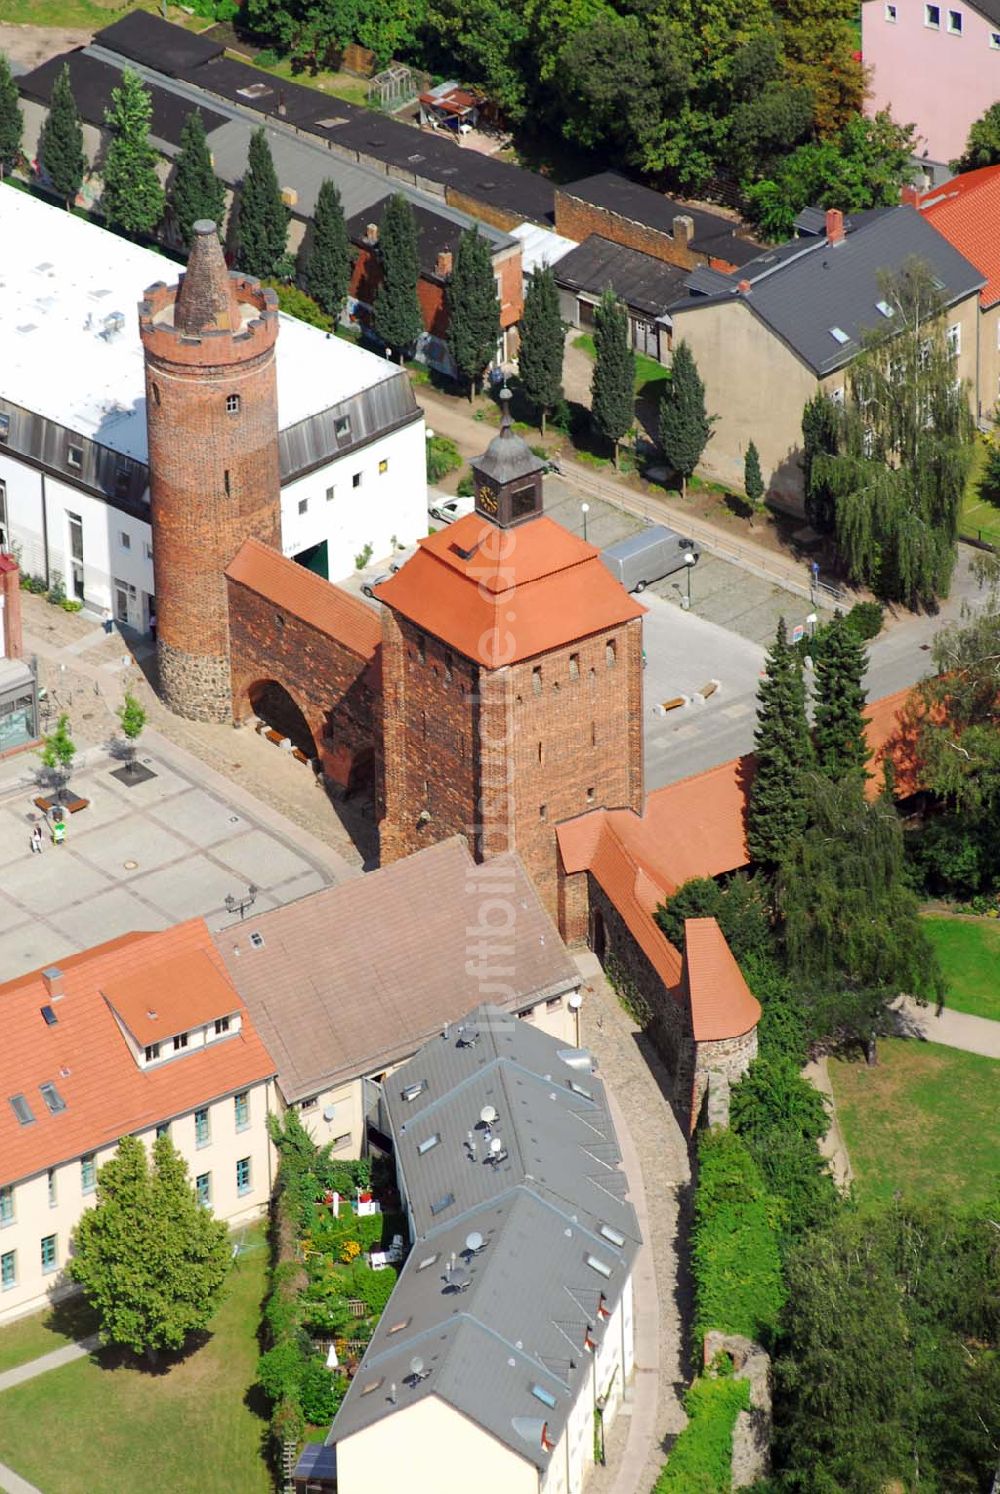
x: 933, y: 65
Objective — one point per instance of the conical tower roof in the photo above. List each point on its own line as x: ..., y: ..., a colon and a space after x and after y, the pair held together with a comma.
x: 508, y: 457
x: 206, y: 300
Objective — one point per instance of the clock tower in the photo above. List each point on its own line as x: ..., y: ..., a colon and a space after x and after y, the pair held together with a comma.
x: 508, y: 476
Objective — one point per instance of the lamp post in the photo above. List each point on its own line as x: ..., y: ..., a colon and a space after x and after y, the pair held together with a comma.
x: 574, y: 1002
x: 689, y: 564
x: 811, y: 622
x: 585, y: 510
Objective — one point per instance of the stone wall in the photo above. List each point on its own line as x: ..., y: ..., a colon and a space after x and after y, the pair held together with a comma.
x: 728, y: 1057
x: 752, y: 1432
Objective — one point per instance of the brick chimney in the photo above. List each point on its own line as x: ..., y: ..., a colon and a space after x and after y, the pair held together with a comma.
x: 909, y: 195
x: 11, y: 637
x: 834, y: 226
x: 744, y: 287
x: 445, y: 264
x: 683, y: 230
x: 371, y: 233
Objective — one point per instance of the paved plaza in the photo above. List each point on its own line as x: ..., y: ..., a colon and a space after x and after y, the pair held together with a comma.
x: 141, y: 856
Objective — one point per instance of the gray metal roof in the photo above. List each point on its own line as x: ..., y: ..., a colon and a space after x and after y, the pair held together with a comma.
x: 505, y: 1338
x: 507, y: 458
x: 806, y: 289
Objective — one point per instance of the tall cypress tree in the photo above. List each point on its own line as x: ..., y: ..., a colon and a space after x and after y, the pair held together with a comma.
x: 196, y: 191
x: 685, y: 425
x: 473, y: 308
x: 396, y: 316
x: 132, y: 199
x: 543, y: 342
x: 325, y: 261
x: 60, y: 145
x: 612, y: 388
x: 11, y: 119
x: 776, y: 808
x: 753, y: 479
x: 839, y: 721
x: 262, y: 230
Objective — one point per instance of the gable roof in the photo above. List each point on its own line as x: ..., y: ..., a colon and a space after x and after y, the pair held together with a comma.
x: 333, y: 1002
x: 639, y: 279
x: 805, y: 290
x: 966, y: 211
x: 309, y: 597
x: 172, y: 995
x: 509, y: 1347
x: 86, y: 1055
x: 438, y: 231
x: 501, y: 596
x: 714, y: 234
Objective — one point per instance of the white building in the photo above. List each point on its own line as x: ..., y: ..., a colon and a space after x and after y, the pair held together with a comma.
x: 74, y: 492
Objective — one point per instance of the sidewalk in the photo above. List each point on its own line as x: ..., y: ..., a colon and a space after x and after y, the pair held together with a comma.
x: 952, y: 1029
x: 11, y: 1482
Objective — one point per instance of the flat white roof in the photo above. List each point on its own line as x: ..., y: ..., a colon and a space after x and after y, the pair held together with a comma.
x: 540, y: 246
x: 62, y: 278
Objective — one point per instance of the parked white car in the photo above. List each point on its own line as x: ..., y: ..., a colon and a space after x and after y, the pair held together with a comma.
x: 451, y: 509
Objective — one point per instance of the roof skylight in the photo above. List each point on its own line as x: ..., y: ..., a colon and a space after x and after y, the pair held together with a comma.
x: 596, y: 1264
x: 22, y: 1109
x: 428, y: 1143
x: 839, y: 335
x: 885, y: 308
x: 52, y: 1098
x: 545, y: 1396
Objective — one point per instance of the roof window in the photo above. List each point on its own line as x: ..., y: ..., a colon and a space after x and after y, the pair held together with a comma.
x: 884, y: 308
x: 445, y: 1202
x: 429, y: 1143
x: 839, y: 335
x: 596, y: 1264
x: 22, y: 1109
x: 413, y: 1090
x: 428, y: 1260
x: 49, y: 1016
x: 373, y: 1385
x: 52, y: 1098
x: 545, y: 1396
x: 614, y: 1235
x: 257, y: 940
x: 578, y: 1089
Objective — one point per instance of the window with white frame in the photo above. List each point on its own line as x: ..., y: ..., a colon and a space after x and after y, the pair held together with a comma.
x: 4, y: 427
x: 995, y: 40
x: 954, y: 339
x: 6, y: 1204
x: 74, y: 457
x: 232, y: 404
x: 49, y: 1254
x: 147, y: 549
x: 221, y: 1025
x: 124, y: 539
x: 932, y: 16
x: 890, y: 14
x: 88, y: 1173
x: 180, y: 1041
x: 8, y: 1269
x: 243, y: 1175
x: 53, y: 1194
x: 152, y: 1052
x: 955, y: 22
x: 163, y: 1129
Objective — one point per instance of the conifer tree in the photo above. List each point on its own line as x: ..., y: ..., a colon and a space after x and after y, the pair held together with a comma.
x: 685, y: 426
x: 397, y: 317
x: 60, y: 145
x: 473, y: 308
x: 612, y: 388
x: 753, y: 480
x: 132, y: 200
x: 839, y: 721
x: 11, y: 119
x: 196, y: 192
x: 325, y: 262
x: 776, y: 808
x: 543, y: 341
x: 262, y: 228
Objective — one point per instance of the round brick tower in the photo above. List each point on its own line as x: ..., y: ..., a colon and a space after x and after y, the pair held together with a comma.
x: 212, y: 419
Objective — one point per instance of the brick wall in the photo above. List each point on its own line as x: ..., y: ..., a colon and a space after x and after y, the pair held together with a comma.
x: 337, y: 692
x: 486, y: 212
x: 578, y: 220
x: 214, y: 482
x: 366, y: 277
x: 11, y: 629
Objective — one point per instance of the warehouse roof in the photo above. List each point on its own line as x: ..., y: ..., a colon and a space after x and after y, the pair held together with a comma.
x: 252, y: 88
x: 641, y: 281
x: 714, y: 233
x: 145, y: 38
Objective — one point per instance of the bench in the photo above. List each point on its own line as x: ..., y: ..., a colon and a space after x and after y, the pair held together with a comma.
x: 72, y: 803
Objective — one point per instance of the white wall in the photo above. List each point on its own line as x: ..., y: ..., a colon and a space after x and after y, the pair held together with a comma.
x: 432, y: 1449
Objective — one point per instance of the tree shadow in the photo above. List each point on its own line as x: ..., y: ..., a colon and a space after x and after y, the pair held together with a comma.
x: 116, y: 1356
x: 73, y: 1317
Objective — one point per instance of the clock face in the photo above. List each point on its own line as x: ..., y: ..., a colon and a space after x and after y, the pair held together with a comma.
x: 486, y: 499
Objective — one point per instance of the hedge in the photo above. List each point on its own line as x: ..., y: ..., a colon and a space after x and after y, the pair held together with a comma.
x: 735, y: 1257
x: 701, y: 1459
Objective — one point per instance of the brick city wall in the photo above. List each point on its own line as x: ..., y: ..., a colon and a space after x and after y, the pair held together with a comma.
x: 578, y: 220
x: 214, y: 482
x: 338, y: 693
x: 487, y: 212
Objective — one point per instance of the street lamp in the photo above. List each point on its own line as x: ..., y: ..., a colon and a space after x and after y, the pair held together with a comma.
x: 689, y: 565
x: 428, y: 434
x: 574, y: 1002
x: 585, y: 510
x: 811, y: 622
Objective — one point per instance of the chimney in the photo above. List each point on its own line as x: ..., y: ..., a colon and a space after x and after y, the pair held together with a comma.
x: 744, y: 287
x: 445, y: 264
x: 371, y: 233
x: 683, y: 229
x: 910, y: 196
x: 53, y: 981
x: 834, y: 226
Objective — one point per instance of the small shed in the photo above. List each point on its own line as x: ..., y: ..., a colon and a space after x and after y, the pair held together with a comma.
x: 449, y: 107
x: 316, y: 1470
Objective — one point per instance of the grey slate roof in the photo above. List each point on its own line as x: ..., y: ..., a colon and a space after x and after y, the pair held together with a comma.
x: 354, y: 978
x: 439, y: 229
x: 645, y: 283
x: 804, y: 289
x: 714, y: 233
x: 507, y: 1343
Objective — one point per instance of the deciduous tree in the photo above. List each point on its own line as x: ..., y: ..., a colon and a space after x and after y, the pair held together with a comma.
x: 983, y: 145
x: 262, y: 223
x: 151, y: 1260
x: 58, y: 751
x: 325, y: 261
x: 397, y: 316
x: 473, y: 308
x: 132, y: 199
x: 776, y: 808
x: 196, y: 192
x: 11, y: 119
x: 60, y: 144
x: 543, y: 341
x: 685, y: 425
x: 612, y: 387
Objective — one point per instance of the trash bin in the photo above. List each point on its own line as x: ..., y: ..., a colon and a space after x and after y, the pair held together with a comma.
x: 109, y: 625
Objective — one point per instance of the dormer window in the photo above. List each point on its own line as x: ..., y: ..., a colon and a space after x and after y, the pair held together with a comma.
x: 152, y: 1052
x: 180, y: 1042
x: 221, y: 1025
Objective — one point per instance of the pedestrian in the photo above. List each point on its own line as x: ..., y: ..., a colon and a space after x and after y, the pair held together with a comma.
x: 36, y: 840
x: 152, y: 623
x: 58, y: 832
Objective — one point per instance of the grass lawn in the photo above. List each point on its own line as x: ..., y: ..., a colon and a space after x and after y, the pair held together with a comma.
x: 44, y: 1331
x: 338, y: 84
x: 977, y: 517
x: 650, y: 376
x: 86, y: 14
x: 189, y: 1430
x: 923, y: 1120
x: 969, y: 951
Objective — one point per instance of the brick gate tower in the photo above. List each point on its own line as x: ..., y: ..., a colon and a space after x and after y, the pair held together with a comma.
x: 512, y: 679
x: 212, y: 419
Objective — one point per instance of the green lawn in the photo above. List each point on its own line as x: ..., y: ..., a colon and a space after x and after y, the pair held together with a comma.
x: 650, y: 376
x: 192, y: 1429
x: 923, y: 1120
x: 978, y: 518
x: 969, y: 951
x: 44, y: 1331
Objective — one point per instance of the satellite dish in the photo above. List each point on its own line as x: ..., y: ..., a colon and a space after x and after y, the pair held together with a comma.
x: 496, y: 1145
x: 488, y: 1115
x: 474, y: 1241
x: 416, y: 1366
x: 575, y: 1001
x: 329, y: 1113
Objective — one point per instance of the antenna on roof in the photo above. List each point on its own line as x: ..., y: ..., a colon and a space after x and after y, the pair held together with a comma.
x: 474, y: 1242
x: 488, y: 1115
x: 417, y: 1371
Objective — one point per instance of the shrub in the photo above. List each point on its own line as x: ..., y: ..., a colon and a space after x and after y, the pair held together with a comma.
x: 318, y: 1391
x: 466, y: 485
x: 364, y: 555
x: 374, y: 1288
x: 866, y: 619
x: 279, y: 1371
x: 735, y: 1257
x: 442, y: 458
x: 267, y: 58
x: 701, y: 1459
x: 739, y: 907
x: 782, y: 1117
x: 70, y: 604
x: 297, y: 303
x: 782, y: 1031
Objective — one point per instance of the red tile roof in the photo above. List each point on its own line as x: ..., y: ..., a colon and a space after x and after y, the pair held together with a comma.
x: 307, y: 596
x: 86, y: 1056
x: 170, y: 996
x: 500, y: 595
x: 721, y: 1003
x: 966, y: 211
